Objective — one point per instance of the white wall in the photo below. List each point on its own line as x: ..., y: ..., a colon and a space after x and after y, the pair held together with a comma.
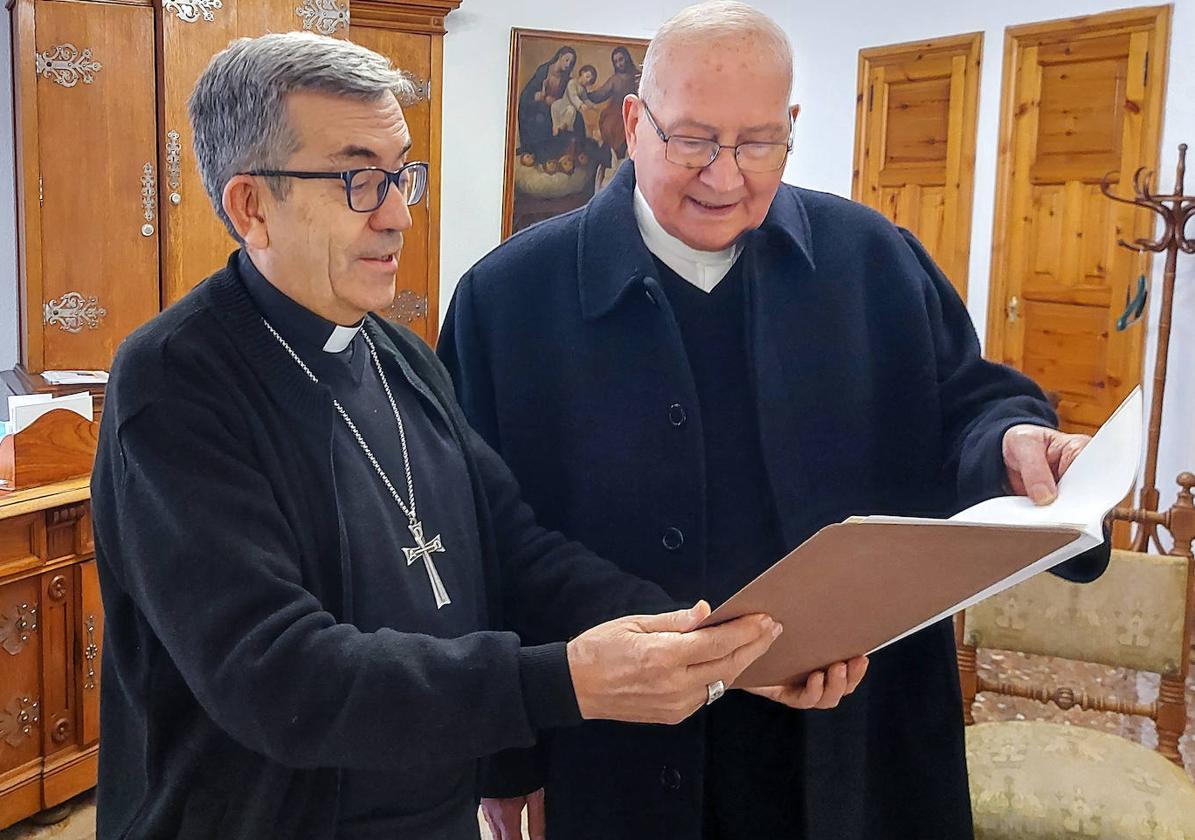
x: 826, y: 41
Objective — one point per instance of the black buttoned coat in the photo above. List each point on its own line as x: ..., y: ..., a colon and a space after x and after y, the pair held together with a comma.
x: 872, y: 397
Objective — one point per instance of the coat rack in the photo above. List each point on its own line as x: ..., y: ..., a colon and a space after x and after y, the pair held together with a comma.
x: 1175, y: 211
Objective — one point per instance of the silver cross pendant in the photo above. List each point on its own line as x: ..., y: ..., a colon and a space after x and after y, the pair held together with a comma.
x: 425, y: 549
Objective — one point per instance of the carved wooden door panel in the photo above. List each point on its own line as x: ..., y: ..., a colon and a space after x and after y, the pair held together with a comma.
x: 197, y: 243
x: 91, y: 210
x: 20, y: 677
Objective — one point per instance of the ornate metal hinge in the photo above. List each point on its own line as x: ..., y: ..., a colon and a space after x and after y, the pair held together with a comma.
x: 17, y: 624
x: 66, y: 64
x: 90, y: 653
x: 18, y: 720
x: 73, y: 311
x: 324, y: 16
x: 407, y: 307
x: 423, y: 89
x: 191, y: 12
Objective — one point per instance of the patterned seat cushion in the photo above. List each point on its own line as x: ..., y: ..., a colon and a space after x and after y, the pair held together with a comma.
x: 1033, y: 780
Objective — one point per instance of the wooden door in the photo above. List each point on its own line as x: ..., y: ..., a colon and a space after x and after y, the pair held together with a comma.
x: 90, y: 222
x: 20, y: 700
x: 197, y: 243
x: 915, y: 142
x: 417, y: 291
x: 1082, y: 98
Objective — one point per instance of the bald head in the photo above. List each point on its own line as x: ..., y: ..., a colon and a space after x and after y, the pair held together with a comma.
x: 715, y: 23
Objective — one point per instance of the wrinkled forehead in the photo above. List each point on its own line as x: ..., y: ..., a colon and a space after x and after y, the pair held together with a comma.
x: 724, y: 88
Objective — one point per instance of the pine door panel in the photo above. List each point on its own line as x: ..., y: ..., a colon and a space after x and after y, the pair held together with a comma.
x: 1079, y: 103
x: 915, y: 142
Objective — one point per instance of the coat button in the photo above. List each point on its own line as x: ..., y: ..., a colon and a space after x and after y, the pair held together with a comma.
x: 670, y: 778
x: 677, y: 415
x: 673, y: 539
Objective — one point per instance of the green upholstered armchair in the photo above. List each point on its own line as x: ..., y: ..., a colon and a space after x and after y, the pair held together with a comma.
x: 1035, y: 779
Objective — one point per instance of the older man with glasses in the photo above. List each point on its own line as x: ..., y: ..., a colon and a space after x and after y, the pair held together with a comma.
x: 694, y: 373
x: 304, y: 550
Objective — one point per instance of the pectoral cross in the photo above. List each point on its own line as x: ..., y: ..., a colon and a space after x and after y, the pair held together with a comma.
x: 425, y: 550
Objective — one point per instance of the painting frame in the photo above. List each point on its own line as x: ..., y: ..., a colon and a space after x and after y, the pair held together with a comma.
x: 525, y: 167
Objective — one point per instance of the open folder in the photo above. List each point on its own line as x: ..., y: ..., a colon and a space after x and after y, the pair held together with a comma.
x: 860, y: 585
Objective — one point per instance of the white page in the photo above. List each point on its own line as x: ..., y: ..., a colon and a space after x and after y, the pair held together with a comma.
x: 23, y: 412
x: 1100, y: 477
x: 1095, y: 483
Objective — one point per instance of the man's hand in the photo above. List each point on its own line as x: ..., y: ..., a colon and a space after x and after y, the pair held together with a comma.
x: 655, y: 668
x: 821, y: 689
x: 505, y: 816
x: 1036, y: 457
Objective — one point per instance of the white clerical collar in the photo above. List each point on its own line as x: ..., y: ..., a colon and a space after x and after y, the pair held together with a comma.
x: 704, y: 269
x: 341, y: 337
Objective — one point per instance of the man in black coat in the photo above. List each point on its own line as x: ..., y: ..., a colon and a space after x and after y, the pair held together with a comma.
x: 304, y: 551
x: 694, y: 373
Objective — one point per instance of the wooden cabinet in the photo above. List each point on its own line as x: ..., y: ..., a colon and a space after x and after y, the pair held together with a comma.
x: 114, y: 223
x: 51, y: 632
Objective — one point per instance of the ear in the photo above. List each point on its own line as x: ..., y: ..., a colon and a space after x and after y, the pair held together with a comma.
x: 793, y: 110
x: 242, y: 201
x: 630, y: 121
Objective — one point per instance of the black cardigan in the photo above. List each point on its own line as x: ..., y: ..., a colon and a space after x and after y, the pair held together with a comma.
x: 234, y: 684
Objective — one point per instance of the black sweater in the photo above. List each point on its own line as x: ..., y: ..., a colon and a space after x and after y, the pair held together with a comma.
x: 236, y: 687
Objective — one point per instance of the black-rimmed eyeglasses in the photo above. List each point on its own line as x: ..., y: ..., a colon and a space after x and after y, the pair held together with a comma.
x: 365, y: 189
x: 700, y: 152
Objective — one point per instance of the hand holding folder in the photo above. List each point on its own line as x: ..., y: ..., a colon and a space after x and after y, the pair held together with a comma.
x: 858, y: 586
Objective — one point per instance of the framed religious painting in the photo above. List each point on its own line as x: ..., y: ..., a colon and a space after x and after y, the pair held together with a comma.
x: 564, y: 131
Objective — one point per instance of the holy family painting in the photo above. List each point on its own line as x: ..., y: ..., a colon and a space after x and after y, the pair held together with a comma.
x: 564, y: 137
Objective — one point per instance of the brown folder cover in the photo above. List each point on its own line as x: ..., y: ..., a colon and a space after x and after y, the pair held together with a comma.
x: 853, y: 586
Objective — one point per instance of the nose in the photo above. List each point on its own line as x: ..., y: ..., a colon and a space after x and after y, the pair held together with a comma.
x: 723, y: 175
x: 393, y: 214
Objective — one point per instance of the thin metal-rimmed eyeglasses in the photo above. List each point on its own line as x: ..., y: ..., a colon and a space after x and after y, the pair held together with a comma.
x: 700, y: 152
x: 365, y: 189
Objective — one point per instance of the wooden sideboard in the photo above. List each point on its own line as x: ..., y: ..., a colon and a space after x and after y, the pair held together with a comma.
x: 51, y: 633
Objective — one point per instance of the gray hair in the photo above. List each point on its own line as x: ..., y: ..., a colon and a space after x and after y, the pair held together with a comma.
x: 238, y: 108
x: 714, y: 20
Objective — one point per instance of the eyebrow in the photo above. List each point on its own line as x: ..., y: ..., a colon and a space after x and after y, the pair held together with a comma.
x: 350, y: 152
